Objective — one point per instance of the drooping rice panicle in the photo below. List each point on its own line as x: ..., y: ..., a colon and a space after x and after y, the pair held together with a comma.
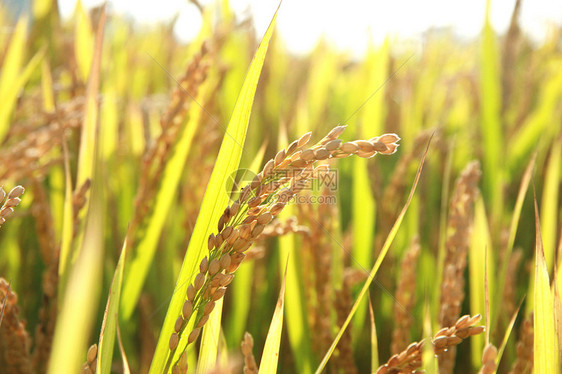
x: 250, y: 366
x: 41, y: 211
x: 12, y: 200
x: 33, y: 156
x: 14, y: 339
x: 322, y: 252
x: 282, y: 178
x: 45, y: 330
x: 489, y: 360
x: 459, y: 226
x: 410, y: 359
x: 158, y: 151
x: 405, y: 298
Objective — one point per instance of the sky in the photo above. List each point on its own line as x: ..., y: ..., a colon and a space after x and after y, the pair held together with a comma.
x: 351, y: 24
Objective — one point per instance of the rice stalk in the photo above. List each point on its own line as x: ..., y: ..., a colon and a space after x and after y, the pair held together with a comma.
x: 43, y: 83
x: 244, y: 220
x: 405, y: 298
x: 458, y: 241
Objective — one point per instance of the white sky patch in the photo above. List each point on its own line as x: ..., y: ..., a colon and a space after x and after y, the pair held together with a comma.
x: 348, y: 25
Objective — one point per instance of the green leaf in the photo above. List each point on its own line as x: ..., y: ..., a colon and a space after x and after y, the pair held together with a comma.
x: 80, y: 302
x: 374, y: 341
x: 270, y: 355
x: 81, y: 291
x: 47, y: 87
x: 363, y: 230
x: 545, y: 337
x: 557, y: 311
x: 491, y: 126
x: 12, y: 78
x: 89, y: 134
x: 364, y: 209
x: 13, y: 59
x: 83, y: 41
x: 126, y: 368
x: 507, y: 334
x: 480, y: 253
x: 15, y: 85
x: 87, y: 157
x: 516, y: 215
x: 539, y: 123
x: 296, y: 311
x: 209, y: 343
x: 67, y: 225
x: 550, y: 202
x: 214, y: 202
x: 110, y: 318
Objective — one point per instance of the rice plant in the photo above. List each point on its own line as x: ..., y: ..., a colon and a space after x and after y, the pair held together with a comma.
x: 224, y: 206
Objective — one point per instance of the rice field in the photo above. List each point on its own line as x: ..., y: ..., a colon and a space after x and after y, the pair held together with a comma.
x: 227, y: 207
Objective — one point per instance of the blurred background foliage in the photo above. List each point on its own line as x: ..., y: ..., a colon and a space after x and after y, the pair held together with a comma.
x: 497, y: 99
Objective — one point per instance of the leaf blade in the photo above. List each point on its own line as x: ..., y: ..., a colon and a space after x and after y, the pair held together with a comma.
x: 110, y: 317
x: 270, y: 355
x: 545, y: 338
x: 214, y: 201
